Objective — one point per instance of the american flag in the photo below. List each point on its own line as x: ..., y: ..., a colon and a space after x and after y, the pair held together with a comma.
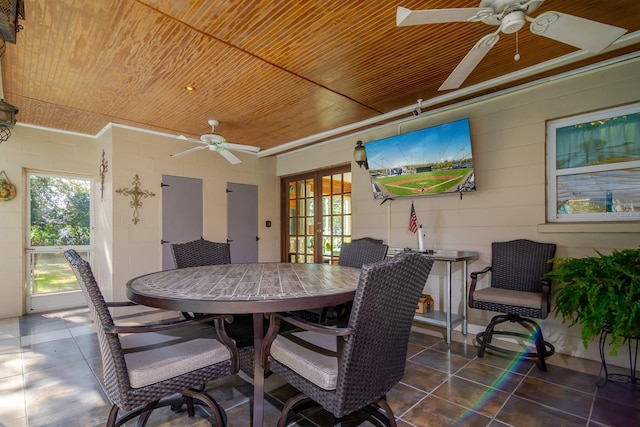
x: 413, y: 220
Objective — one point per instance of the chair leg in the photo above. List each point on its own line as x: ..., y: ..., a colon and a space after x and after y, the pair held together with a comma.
x: 388, y: 419
x: 143, y: 413
x: 543, y: 348
x: 219, y: 414
x: 144, y: 417
x: 293, y: 401
x: 113, y: 416
x: 486, y: 337
x: 191, y: 411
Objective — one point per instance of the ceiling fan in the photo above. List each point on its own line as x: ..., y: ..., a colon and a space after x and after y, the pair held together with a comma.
x: 510, y: 16
x: 217, y: 143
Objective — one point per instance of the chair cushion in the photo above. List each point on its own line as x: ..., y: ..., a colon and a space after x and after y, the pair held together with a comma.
x: 154, y: 357
x: 310, y: 354
x: 509, y: 297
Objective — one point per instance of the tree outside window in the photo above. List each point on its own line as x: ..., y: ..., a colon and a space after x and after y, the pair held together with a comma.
x: 60, y: 211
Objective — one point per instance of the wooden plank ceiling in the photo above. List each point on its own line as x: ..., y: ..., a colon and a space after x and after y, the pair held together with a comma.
x: 270, y: 71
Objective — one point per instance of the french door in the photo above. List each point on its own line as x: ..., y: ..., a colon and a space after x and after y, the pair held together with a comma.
x: 59, y: 218
x: 316, y: 215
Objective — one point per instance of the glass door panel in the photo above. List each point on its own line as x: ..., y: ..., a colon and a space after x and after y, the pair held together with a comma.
x: 318, y: 221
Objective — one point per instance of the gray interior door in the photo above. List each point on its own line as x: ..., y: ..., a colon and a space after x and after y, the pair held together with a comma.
x: 181, y: 213
x: 242, y: 222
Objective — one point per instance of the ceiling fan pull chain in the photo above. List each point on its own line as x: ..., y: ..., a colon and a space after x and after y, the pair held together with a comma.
x: 517, y: 55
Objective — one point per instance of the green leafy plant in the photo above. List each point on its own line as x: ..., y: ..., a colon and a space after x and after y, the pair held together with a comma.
x: 600, y: 292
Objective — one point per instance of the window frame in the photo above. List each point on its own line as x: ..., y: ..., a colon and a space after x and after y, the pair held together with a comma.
x: 553, y: 173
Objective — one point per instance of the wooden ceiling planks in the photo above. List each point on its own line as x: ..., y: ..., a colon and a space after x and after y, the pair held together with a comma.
x: 270, y: 71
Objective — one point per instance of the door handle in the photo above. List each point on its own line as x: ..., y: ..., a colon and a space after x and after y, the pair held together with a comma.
x: 257, y: 238
x: 162, y: 242
x: 229, y: 240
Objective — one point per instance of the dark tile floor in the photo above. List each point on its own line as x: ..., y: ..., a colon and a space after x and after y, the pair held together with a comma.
x: 50, y: 366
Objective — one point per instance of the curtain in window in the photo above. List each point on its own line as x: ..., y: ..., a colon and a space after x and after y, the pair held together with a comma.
x: 612, y: 140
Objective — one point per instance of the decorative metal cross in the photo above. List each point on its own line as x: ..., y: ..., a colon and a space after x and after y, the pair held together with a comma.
x: 104, y: 167
x: 136, y: 195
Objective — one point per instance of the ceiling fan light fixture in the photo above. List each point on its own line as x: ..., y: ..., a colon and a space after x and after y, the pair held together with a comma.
x: 513, y: 22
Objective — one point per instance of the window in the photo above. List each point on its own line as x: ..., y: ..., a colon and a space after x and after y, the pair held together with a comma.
x: 594, y: 166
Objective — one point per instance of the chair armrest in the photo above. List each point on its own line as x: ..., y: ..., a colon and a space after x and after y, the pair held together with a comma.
x: 158, y: 327
x: 474, y: 280
x: 313, y: 327
x: 274, y: 327
x: 121, y: 303
x: 474, y: 275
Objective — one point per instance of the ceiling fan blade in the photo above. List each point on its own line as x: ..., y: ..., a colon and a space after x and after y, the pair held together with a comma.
x: 575, y: 31
x: 406, y: 17
x: 189, y: 151
x: 470, y: 61
x: 184, y: 138
x: 231, y: 158
x: 242, y: 147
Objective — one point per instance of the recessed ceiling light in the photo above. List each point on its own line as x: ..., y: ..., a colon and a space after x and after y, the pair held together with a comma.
x: 189, y: 88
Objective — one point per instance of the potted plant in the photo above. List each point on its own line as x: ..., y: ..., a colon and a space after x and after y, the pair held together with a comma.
x: 600, y: 293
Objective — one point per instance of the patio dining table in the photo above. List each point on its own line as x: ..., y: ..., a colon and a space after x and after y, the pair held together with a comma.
x: 256, y: 288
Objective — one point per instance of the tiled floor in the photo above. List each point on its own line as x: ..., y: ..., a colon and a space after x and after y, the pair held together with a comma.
x: 49, y: 365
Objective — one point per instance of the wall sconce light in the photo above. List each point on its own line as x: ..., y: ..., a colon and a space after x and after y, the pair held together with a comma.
x: 360, y: 156
x: 7, y: 119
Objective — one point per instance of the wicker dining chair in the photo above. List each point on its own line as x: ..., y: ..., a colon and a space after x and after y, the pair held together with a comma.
x: 145, y: 366
x: 352, y: 368
x: 518, y: 290
x: 200, y: 252
x: 203, y: 252
x: 355, y: 254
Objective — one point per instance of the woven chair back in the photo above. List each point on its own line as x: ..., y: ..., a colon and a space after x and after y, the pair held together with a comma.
x: 360, y: 252
x: 520, y: 264
x: 200, y: 252
x: 113, y: 362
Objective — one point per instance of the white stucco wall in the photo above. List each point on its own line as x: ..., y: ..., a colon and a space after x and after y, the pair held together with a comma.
x: 509, y: 146
x: 124, y: 250
x: 136, y: 247
x: 27, y: 150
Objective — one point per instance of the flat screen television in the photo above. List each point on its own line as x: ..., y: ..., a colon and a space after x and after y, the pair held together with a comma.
x: 429, y: 161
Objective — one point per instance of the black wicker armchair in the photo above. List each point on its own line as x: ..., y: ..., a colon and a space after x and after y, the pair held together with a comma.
x: 350, y: 369
x: 145, y: 366
x: 518, y: 290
